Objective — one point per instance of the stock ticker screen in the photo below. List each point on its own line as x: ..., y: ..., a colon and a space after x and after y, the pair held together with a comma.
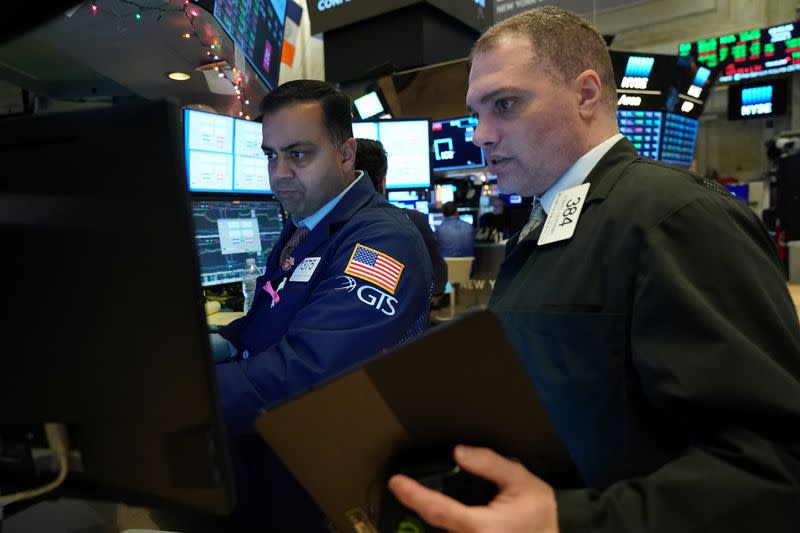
x: 228, y: 232
x: 256, y: 26
x: 749, y: 54
x: 679, y: 139
x: 643, y: 129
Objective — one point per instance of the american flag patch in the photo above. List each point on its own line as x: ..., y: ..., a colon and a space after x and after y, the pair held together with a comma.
x: 375, y: 267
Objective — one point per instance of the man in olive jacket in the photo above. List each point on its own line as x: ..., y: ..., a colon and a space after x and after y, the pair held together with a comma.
x: 647, y: 304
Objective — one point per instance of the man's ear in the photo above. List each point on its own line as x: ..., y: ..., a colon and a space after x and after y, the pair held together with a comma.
x: 588, y: 91
x: 348, y: 153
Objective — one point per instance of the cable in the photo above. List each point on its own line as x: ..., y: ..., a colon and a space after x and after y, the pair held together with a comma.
x: 58, y: 441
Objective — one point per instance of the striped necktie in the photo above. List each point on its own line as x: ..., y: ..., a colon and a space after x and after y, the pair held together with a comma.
x: 286, y: 261
x: 537, y: 218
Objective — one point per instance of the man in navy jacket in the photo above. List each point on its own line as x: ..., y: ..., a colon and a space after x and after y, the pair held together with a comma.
x: 356, y: 281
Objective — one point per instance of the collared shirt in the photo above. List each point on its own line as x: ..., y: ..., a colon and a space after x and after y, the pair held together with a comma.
x: 311, y: 221
x: 578, y: 171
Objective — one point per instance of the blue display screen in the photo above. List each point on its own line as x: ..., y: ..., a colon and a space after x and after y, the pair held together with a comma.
x: 643, y: 129
x: 223, y: 154
x: 679, y: 139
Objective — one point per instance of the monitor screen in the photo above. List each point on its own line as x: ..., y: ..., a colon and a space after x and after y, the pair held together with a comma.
x: 407, y: 145
x: 256, y: 26
x: 757, y: 100
x: 469, y: 218
x: 452, y: 145
x: 749, y: 54
x: 643, y: 80
x: 679, y: 139
x: 223, y: 154
x: 228, y: 232
x: 369, y: 105
x: 643, y: 129
x: 692, y: 87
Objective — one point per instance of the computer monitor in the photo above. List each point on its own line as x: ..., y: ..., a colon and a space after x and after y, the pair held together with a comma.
x: 469, y: 218
x: 109, y: 332
x: 230, y: 231
x: 256, y: 27
x: 223, y: 154
x: 452, y: 145
x: 407, y: 145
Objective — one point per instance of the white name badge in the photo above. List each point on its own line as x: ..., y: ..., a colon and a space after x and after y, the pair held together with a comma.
x: 305, y: 269
x: 560, y: 223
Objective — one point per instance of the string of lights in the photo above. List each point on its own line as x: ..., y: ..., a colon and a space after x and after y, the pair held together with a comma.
x: 213, y: 50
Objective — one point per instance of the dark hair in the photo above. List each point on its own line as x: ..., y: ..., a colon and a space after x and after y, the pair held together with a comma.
x: 335, y: 105
x: 562, y: 41
x: 449, y: 209
x: 371, y: 158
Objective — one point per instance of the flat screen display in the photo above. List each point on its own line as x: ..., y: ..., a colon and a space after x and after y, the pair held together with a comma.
x: 407, y: 145
x: 256, y: 26
x: 452, y: 145
x: 643, y: 129
x: 228, y: 232
x: 369, y: 105
x: 749, y: 54
x: 757, y: 100
x: 223, y: 154
x: 678, y: 140
x: 643, y: 80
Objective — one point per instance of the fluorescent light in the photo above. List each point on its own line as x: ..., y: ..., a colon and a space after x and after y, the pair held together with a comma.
x: 178, y: 76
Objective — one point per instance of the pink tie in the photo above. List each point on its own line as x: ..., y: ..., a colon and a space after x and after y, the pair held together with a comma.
x: 286, y: 261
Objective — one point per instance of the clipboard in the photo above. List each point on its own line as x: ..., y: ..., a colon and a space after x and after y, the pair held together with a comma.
x: 457, y: 383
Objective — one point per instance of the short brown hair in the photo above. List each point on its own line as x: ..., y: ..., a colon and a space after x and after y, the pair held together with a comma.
x: 564, y: 42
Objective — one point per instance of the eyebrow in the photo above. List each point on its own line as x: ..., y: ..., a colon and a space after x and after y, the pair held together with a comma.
x: 491, y: 94
x: 292, y: 146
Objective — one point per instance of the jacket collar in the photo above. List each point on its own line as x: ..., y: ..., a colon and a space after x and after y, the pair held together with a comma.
x: 357, y: 197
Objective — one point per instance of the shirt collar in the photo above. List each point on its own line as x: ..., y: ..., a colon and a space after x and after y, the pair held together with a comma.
x: 311, y: 221
x: 578, y: 171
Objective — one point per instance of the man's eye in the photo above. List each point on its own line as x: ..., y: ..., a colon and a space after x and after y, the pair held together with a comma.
x: 295, y: 154
x: 270, y: 156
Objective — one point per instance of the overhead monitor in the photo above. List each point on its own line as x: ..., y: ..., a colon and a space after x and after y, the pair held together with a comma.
x: 452, y: 145
x: 643, y: 129
x: 229, y: 232
x: 256, y: 27
x: 223, y: 154
x: 749, y: 54
x: 691, y: 87
x: 370, y: 105
x: 757, y: 100
x: 643, y: 80
x: 407, y: 145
